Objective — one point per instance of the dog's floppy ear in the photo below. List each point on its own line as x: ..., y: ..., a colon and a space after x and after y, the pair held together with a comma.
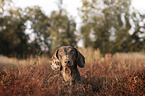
x: 54, y: 62
x: 80, y: 59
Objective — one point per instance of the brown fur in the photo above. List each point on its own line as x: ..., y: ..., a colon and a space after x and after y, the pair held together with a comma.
x: 66, y: 59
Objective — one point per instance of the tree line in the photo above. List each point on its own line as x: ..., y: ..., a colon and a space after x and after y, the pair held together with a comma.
x: 110, y: 25
x: 114, y: 24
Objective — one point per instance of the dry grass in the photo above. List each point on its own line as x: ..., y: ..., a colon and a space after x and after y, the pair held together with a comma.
x: 120, y: 74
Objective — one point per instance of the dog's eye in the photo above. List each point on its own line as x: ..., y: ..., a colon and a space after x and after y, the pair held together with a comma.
x: 71, y: 52
x: 60, y: 52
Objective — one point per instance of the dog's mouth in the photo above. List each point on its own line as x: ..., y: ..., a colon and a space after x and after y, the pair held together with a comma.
x: 68, y: 66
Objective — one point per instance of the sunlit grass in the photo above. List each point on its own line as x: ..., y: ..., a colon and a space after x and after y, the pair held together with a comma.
x: 119, y: 74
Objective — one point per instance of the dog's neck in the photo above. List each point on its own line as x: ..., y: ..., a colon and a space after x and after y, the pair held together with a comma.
x: 70, y: 74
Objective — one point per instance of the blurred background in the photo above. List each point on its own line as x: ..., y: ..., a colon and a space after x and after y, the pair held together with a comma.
x: 30, y: 27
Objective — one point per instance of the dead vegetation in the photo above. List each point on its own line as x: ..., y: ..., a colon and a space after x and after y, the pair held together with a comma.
x: 120, y: 74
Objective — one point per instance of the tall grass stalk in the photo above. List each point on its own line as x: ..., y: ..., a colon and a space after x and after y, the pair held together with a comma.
x: 118, y: 74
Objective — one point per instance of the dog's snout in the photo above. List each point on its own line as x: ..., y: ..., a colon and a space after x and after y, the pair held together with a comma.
x: 67, y: 61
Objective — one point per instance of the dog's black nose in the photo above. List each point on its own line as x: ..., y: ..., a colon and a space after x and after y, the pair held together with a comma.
x: 67, y: 61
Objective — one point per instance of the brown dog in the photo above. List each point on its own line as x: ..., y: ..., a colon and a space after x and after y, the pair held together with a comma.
x: 66, y: 59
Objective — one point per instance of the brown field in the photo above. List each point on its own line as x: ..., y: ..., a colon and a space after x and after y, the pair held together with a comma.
x: 119, y: 74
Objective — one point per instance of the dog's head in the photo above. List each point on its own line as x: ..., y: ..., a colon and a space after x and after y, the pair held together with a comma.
x: 67, y: 56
